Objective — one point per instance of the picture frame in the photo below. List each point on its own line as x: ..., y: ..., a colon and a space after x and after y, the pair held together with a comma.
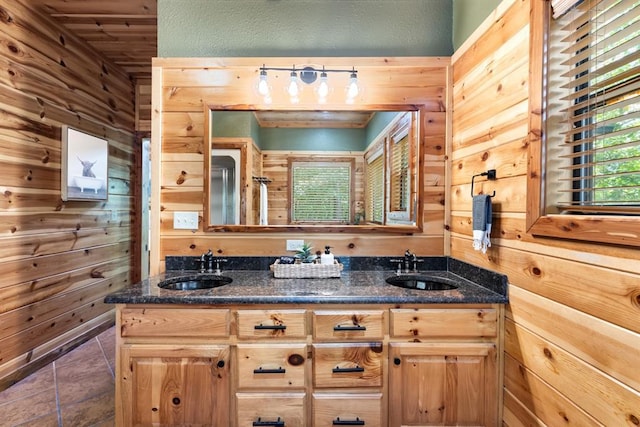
x: 85, y: 166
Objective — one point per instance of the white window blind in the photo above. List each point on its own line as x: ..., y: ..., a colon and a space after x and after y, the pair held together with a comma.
x: 321, y: 192
x: 375, y: 188
x: 560, y: 7
x: 598, y: 70
x: 399, y: 170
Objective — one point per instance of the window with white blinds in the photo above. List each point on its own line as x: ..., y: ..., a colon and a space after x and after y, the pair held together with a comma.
x: 375, y: 188
x: 399, y: 173
x: 321, y: 191
x: 593, y: 94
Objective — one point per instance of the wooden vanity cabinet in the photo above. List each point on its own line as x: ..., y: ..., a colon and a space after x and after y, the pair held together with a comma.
x: 448, y: 374
x: 293, y: 366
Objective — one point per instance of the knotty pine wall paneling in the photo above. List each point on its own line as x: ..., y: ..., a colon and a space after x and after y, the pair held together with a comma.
x: 183, y: 86
x: 572, y: 332
x: 57, y: 259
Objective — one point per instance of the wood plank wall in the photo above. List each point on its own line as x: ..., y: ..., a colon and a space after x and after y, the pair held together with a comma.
x: 57, y: 259
x: 143, y: 105
x: 183, y: 86
x: 572, y: 331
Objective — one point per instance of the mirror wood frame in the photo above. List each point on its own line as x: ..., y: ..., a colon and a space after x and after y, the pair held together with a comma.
x: 314, y: 228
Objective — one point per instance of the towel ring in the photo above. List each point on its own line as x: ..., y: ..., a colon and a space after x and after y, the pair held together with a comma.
x: 490, y: 174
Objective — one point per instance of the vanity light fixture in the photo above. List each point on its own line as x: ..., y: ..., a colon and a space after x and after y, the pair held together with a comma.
x: 307, y: 75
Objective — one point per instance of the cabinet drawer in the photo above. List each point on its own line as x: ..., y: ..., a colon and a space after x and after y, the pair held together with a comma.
x: 161, y: 322
x: 271, y: 365
x: 346, y: 325
x: 271, y: 324
x: 347, y: 365
x: 270, y: 409
x: 458, y: 322
x: 347, y: 409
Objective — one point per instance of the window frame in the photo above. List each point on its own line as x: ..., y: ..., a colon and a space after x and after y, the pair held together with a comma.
x: 622, y: 229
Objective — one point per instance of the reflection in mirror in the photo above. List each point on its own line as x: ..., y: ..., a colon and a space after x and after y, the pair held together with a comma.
x: 324, y: 171
x: 224, y: 192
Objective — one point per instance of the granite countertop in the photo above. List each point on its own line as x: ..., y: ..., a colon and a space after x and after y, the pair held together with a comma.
x: 355, y: 286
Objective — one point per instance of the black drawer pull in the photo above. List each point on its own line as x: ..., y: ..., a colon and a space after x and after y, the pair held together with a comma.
x: 349, y: 328
x: 356, y: 422
x: 338, y: 370
x: 276, y: 423
x: 269, y: 371
x: 270, y: 327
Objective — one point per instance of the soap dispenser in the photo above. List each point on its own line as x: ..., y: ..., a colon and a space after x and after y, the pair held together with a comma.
x: 327, y: 256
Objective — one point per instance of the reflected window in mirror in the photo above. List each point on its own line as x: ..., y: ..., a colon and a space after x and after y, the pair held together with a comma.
x: 321, y: 190
x: 391, y: 185
x: 375, y: 187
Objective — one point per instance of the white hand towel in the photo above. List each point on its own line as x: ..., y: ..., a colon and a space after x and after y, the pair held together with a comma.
x: 264, y: 204
x: 481, y: 214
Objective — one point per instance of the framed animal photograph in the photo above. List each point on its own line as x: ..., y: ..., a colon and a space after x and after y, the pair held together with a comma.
x: 85, y: 165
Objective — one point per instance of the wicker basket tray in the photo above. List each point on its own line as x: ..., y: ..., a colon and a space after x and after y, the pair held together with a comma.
x: 305, y: 271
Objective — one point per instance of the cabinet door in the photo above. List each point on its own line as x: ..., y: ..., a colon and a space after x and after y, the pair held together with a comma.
x: 174, y: 385
x: 433, y: 384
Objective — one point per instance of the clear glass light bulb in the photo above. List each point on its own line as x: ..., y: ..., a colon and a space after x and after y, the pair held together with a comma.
x: 352, y: 88
x: 293, y: 89
x: 263, y: 85
x: 323, y: 87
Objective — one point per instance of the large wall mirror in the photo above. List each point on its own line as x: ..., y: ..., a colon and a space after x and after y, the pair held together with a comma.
x: 336, y: 170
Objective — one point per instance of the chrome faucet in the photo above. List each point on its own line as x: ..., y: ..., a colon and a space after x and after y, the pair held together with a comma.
x: 408, y: 258
x: 206, y: 259
x: 402, y: 261
x: 411, y: 259
x: 410, y: 263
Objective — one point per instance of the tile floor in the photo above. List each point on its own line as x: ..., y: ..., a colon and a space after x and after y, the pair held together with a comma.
x: 77, y: 390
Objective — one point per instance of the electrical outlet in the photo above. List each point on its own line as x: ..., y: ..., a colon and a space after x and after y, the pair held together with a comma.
x: 185, y: 220
x: 292, y: 245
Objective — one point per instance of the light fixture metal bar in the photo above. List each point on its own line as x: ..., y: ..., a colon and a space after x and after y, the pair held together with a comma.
x: 310, y: 69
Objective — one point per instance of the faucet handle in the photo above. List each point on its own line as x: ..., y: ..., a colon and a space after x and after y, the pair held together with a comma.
x: 416, y: 261
x: 200, y: 264
x: 399, y: 262
x: 218, y: 261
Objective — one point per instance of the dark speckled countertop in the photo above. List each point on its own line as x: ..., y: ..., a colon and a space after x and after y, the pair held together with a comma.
x: 362, y: 282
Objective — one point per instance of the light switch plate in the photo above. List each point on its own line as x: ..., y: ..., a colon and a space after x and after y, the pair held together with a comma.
x: 185, y: 220
x: 292, y: 245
